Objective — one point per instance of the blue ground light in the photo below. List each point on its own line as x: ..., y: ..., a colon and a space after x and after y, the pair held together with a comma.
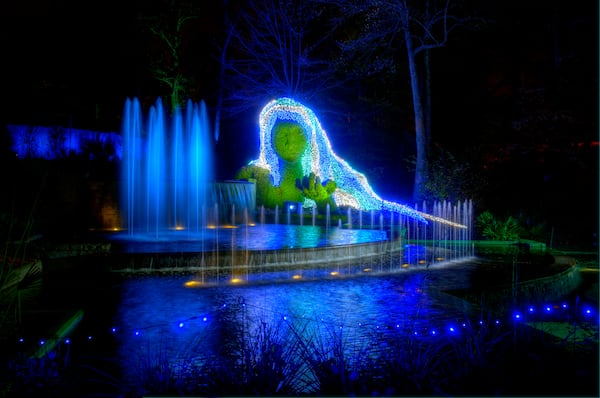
x: 580, y: 313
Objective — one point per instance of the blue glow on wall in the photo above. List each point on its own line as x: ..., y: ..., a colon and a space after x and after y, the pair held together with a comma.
x: 52, y: 142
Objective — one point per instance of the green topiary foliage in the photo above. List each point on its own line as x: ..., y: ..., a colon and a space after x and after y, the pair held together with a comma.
x: 266, y: 194
x: 290, y: 143
x: 311, y: 188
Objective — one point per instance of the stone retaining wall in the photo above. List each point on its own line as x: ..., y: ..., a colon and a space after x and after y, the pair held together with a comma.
x: 251, y: 261
x: 551, y: 287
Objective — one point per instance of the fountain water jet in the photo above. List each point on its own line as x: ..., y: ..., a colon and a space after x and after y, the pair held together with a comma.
x: 349, y: 218
x: 168, y: 165
x: 169, y: 176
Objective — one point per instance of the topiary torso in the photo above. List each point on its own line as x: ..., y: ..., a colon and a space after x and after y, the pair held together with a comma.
x: 290, y: 143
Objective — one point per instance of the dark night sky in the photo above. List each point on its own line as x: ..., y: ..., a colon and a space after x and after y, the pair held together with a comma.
x: 61, y: 58
x: 93, y: 50
x: 57, y: 51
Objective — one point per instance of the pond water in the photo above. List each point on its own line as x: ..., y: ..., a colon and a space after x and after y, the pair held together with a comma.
x: 133, y: 326
x: 137, y: 330
x: 243, y: 237
x: 140, y: 320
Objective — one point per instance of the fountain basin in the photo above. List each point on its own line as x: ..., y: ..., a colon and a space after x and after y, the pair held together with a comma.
x: 213, y: 263
x: 246, y: 249
x: 241, y: 238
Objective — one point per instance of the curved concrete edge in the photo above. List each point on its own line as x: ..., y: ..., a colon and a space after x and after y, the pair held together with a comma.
x: 551, y: 287
x: 564, y: 260
x: 251, y: 261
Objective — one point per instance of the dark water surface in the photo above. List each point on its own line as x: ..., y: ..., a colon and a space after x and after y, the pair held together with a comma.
x: 134, y: 320
x: 132, y: 325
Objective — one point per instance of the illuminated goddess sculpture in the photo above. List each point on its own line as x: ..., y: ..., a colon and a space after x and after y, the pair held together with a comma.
x: 352, y: 189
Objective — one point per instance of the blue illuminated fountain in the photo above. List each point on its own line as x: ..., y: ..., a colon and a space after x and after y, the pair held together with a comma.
x: 168, y: 165
x: 177, y: 217
x: 168, y: 175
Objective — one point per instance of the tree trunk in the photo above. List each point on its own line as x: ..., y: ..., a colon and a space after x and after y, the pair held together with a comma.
x: 427, y: 86
x: 427, y: 96
x: 420, y: 133
x: 222, y: 66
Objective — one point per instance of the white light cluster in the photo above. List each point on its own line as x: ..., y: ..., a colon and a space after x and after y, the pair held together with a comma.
x: 352, y: 190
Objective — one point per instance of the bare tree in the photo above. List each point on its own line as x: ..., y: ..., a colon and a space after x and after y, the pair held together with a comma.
x: 419, y: 26
x: 278, y: 48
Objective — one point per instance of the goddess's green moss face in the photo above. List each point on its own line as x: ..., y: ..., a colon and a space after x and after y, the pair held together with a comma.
x: 289, y: 140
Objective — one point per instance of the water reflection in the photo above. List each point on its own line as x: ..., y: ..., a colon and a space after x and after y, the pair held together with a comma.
x: 159, y: 317
x: 243, y: 237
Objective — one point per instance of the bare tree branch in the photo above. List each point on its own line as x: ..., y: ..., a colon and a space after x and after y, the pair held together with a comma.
x: 279, y: 48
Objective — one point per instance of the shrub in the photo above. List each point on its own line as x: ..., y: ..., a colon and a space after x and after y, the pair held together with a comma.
x: 493, y: 229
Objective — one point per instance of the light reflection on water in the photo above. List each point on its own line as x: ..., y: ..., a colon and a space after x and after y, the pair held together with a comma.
x: 256, y: 237
x: 160, y: 313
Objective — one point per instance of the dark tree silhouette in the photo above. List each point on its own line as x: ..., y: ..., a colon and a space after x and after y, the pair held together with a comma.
x: 419, y: 26
x: 167, y: 63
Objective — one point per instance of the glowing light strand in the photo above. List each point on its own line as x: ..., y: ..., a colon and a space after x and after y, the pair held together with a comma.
x: 353, y: 190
